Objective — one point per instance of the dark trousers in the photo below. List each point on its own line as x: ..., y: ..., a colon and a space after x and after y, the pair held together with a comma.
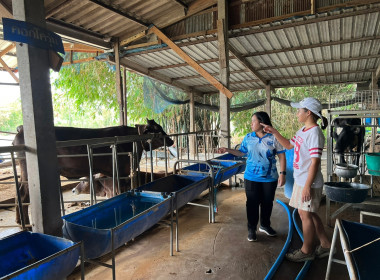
x: 259, y: 194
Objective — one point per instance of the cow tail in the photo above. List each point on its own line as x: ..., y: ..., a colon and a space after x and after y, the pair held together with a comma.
x: 324, y: 123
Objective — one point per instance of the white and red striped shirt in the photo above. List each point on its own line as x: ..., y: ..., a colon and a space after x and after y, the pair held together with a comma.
x: 308, y: 143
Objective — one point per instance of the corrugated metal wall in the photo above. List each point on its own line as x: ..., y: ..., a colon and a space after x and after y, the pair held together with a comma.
x: 240, y: 13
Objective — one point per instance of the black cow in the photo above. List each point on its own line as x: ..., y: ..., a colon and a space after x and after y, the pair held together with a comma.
x: 76, y: 167
x: 350, y: 139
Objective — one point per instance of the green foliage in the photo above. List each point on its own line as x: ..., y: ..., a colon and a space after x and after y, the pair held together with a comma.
x: 11, y: 117
x: 85, y: 91
x: 283, y: 117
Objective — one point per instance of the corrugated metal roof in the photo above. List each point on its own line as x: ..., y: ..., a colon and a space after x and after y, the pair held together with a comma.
x: 337, y: 46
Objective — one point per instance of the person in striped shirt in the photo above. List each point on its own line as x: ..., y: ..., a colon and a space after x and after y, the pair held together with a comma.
x: 308, y: 180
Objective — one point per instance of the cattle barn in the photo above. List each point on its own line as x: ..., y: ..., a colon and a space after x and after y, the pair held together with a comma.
x: 201, y: 47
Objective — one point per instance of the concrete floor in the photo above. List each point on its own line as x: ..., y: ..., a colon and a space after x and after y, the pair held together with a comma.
x: 213, y: 251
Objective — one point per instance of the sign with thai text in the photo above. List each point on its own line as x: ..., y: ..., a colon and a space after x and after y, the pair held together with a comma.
x: 28, y: 33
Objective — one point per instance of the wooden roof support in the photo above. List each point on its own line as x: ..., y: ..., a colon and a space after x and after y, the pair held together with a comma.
x: 78, y: 61
x: 247, y: 65
x: 191, y: 62
x: 9, y: 70
x: 81, y: 48
x: 7, y: 50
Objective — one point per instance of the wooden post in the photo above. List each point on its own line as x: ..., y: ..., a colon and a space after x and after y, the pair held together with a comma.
x: 268, y: 105
x: 312, y: 7
x: 125, y: 96
x: 119, y: 90
x: 224, y: 109
x: 39, y: 133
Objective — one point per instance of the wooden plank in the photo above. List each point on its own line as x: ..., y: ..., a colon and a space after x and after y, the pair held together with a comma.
x: 247, y: 65
x: 81, y: 48
x: 9, y: 70
x: 133, y: 38
x: 192, y: 62
x: 79, y: 61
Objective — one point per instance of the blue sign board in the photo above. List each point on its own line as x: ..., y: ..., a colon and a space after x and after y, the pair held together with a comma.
x: 25, y: 32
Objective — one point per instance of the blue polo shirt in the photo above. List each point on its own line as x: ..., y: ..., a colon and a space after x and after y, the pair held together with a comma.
x: 261, y: 161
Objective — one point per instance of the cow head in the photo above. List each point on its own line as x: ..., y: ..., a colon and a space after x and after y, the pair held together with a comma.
x: 154, y: 128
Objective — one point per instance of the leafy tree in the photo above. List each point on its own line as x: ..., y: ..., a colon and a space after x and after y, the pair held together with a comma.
x: 11, y: 117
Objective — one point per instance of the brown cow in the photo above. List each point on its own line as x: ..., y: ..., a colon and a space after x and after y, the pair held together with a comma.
x: 76, y: 167
x: 103, y: 185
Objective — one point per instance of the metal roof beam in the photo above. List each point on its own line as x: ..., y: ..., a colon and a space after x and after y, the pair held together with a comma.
x: 112, y: 9
x: 320, y: 62
x: 281, y: 78
x: 306, y: 21
x: 312, y: 46
x: 74, y: 32
x: 182, y: 4
x: 191, y: 62
x: 246, y: 64
x: 137, y: 68
x: 51, y: 12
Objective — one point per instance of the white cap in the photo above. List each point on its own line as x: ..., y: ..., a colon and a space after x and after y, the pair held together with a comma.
x: 311, y: 104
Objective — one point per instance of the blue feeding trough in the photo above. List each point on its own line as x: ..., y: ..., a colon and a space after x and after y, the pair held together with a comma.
x: 366, y: 259
x: 289, y: 154
x: 108, y: 225
x: 223, y: 169
x: 231, y: 157
x: 28, y: 255
x: 185, y: 188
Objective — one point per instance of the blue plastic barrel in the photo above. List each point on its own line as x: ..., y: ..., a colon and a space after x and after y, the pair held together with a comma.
x: 289, y: 154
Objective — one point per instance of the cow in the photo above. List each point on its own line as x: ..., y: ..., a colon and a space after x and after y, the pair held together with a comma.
x: 76, y: 167
x: 350, y: 138
x: 103, y: 185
